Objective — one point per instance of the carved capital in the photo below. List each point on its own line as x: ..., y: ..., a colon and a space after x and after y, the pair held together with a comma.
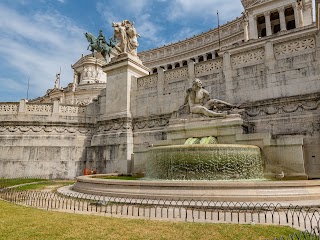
x: 266, y: 14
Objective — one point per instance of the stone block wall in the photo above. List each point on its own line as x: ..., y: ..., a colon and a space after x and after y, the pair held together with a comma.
x: 46, y: 140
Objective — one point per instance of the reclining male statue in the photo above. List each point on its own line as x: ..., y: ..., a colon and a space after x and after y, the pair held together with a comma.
x: 199, y: 102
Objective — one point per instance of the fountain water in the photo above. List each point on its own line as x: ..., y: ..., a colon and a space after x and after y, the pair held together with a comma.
x: 204, y: 159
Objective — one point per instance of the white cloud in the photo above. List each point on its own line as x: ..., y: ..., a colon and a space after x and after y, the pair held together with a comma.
x: 36, y: 47
x: 138, y: 11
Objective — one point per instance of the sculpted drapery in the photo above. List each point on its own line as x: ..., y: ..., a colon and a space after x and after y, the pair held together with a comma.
x: 127, y: 37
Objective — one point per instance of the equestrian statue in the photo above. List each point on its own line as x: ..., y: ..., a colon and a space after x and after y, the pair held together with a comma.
x: 100, y: 44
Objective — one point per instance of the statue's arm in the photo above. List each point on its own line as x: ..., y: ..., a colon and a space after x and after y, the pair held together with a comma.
x: 206, y: 96
x: 186, y: 99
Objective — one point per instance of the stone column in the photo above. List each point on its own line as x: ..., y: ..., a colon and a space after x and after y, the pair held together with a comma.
x: 245, y: 25
x: 191, y: 71
x: 282, y: 17
x: 213, y: 54
x: 253, y: 27
x: 298, y: 8
x: 307, y: 12
x: 173, y: 65
x: 227, y: 71
x: 160, y: 85
x: 268, y: 23
x: 205, y: 57
x: 196, y: 59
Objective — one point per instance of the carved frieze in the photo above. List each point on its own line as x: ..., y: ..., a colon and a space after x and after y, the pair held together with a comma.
x: 80, y: 101
x: 248, y: 58
x: 208, y: 67
x: 152, y: 122
x: 148, y: 81
x: 176, y: 74
x: 294, y: 46
x: 282, y: 108
x: 44, y: 129
x: 65, y: 109
x: 114, y: 125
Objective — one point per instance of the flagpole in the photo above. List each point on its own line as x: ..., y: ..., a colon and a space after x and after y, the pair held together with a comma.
x: 28, y: 88
x: 219, y: 29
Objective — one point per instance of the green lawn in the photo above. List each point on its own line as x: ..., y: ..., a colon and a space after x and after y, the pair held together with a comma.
x: 17, y: 222
x: 18, y: 181
x: 45, y: 185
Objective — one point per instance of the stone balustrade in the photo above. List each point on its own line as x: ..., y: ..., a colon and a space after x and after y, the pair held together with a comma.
x: 176, y: 74
x: 24, y: 111
x: 9, y: 108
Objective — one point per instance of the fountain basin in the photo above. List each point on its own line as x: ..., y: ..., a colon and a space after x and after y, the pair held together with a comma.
x: 239, y: 191
x: 204, y: 162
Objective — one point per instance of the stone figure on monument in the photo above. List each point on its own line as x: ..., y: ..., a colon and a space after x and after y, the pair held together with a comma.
x: 127, y: 37
x: 120, y: 35
x: 99, y: 44
x: 199, y: 102
x: 101, y: 39
x: 57, y: 81
x: 132, y: 38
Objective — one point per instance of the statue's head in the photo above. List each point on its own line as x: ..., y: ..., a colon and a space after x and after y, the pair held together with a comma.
x: 197, y: 83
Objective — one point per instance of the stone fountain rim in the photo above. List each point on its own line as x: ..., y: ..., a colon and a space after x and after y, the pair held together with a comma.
x: 244, y: 191
x: 245, y: 183
x: 188, y: 146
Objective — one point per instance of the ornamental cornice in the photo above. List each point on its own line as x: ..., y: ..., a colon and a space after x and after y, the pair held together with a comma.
x: 283, y: 105
x: 44, y: 129
x: 252, y: 3
x: 195, y: 52
x: 114, y: 125
x: 151, y: 122
x: 228, y: 26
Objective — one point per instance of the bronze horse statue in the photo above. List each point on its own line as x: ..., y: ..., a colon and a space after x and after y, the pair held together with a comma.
x: 99, y: 44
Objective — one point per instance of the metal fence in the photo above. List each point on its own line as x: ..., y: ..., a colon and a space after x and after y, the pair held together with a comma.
x: 306, y: 219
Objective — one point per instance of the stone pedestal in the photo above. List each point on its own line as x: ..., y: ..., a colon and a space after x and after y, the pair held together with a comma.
x: 122, y: 73
x: 114, y: 136
x: 225, y: 129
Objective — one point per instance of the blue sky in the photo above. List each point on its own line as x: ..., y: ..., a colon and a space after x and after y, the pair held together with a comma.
x: 37, y: 37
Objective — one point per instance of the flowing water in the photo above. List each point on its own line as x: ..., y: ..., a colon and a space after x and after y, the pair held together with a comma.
x: 198, y: 161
